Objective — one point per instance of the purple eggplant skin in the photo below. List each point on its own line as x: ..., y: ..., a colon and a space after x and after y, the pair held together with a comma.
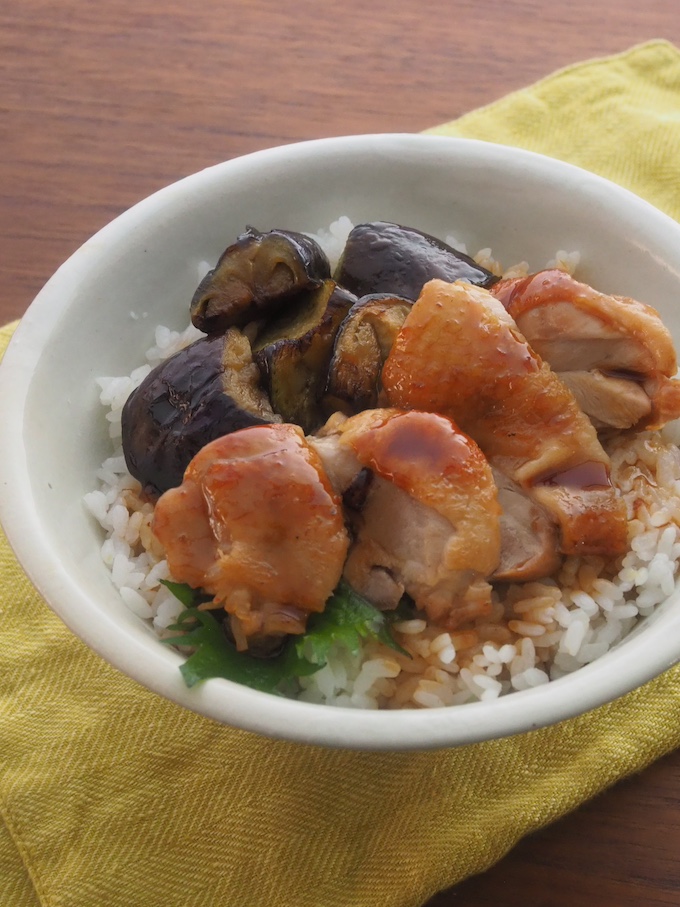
x: 382, y: 257
x: 254, y: 276
x: 176, y: 410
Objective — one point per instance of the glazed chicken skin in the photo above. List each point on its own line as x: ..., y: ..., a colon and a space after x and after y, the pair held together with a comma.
x: 460, y: 353
x: 256, y: 524
x: 423, y: 507
x: 613, y: 352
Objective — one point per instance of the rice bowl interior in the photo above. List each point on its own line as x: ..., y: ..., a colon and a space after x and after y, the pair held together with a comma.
x: 96, y: 317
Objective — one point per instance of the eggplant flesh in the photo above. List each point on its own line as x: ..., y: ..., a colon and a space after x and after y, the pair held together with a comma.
x: 382, y: 257
x: 361, y: 348
x: 294, y: 353
x: 204, y: 391
x: 254, y: 276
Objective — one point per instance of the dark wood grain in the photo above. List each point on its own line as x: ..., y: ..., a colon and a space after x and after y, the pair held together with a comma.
x: 103, y: 103
x: 618, y: 850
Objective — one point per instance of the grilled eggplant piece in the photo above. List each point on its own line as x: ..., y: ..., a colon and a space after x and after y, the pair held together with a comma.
x: 254, y: 276
x: 206, y: 390
x: 294, y: 352
x: 363, y: 344
x: 388, y: 258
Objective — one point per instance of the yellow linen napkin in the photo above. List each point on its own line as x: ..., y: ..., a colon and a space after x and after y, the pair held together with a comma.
x: 618, y: 116
x: 112, y: 796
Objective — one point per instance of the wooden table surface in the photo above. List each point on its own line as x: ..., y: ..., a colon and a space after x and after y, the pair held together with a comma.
x: 103, y: 103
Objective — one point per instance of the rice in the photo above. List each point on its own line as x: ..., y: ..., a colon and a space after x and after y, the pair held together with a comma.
x: 536, y: 632
x: 333, y: 240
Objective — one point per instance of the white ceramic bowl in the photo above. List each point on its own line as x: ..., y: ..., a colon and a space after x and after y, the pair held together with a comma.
x: 53, y: 435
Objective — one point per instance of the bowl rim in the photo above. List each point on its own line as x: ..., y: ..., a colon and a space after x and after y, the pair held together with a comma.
x: 233, y: 704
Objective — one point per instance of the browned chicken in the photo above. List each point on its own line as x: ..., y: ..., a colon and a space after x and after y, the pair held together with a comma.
x: 424, y: 509
x: 461, y: 354
x: 529, y: 540
x: 256, y: 524
x: 613, y: 352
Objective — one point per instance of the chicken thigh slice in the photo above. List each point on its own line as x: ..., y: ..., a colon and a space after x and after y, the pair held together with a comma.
x: 460, y: 353
x: 256, y: 524
x: 428, y: 521
x: 614, y: 353
x: 529, y: 541
x: 528, y: 536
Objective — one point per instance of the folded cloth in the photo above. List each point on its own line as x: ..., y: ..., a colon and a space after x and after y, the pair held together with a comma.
x: 111, y: 796
x: 617, y: 116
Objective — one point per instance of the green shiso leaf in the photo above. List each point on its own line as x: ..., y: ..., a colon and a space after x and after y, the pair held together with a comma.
x: 187, y: 595
x: 215, y: 656
x: 347, y: 619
